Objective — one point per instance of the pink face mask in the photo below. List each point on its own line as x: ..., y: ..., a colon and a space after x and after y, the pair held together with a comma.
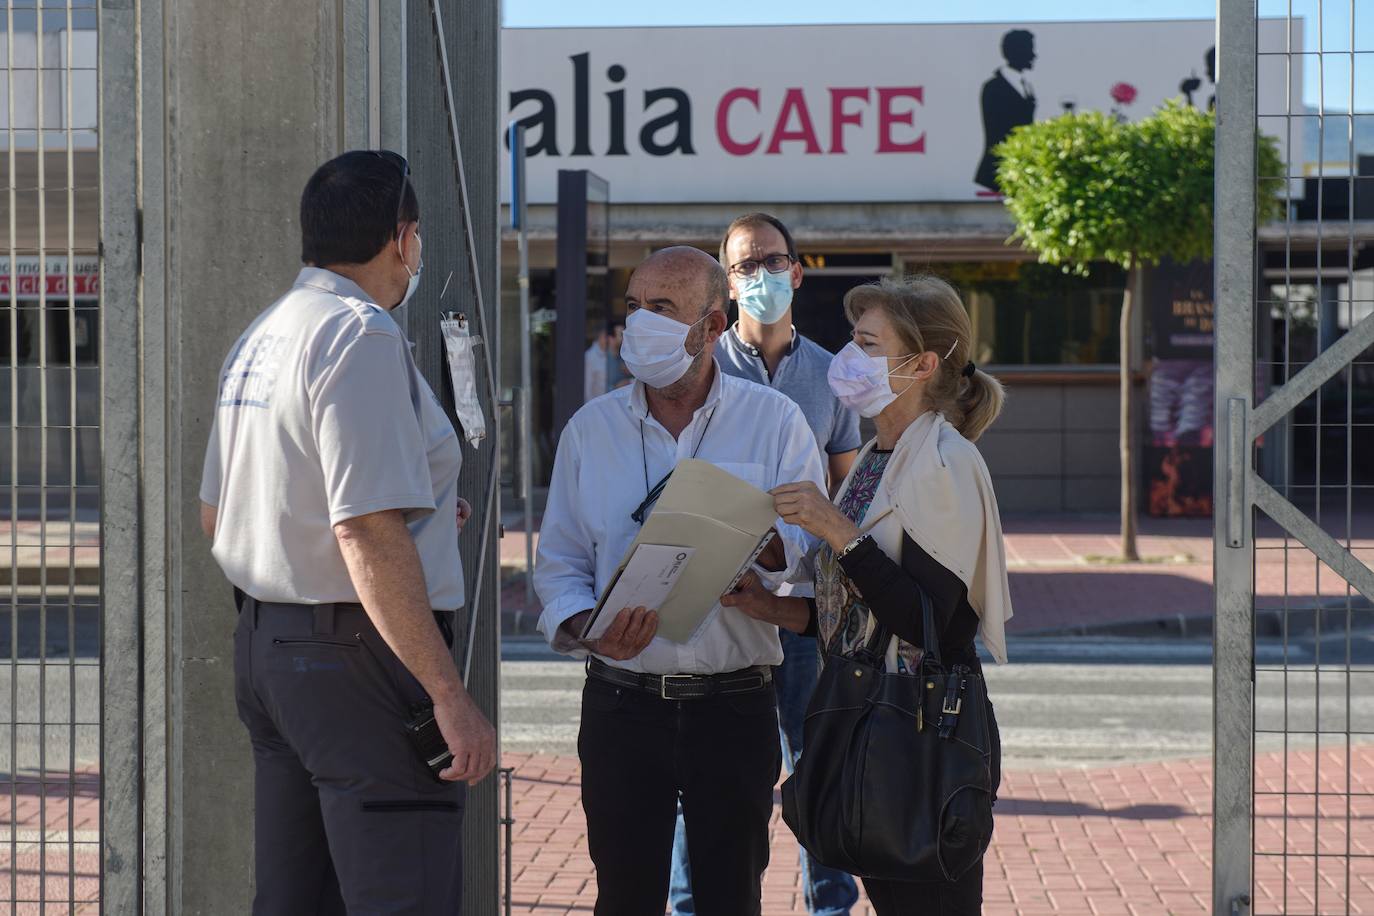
x: 861, y: 382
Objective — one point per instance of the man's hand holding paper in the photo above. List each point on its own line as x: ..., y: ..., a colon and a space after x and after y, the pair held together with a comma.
x: 628, y: 634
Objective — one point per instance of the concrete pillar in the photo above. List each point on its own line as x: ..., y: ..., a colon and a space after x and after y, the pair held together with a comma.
x: 214, y: 114
x: 253, y: 106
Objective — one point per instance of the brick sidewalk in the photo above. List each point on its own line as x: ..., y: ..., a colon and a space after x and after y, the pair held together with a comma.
x: 1129, y: 839
x: 59, y: 864
x: 1058, y: 583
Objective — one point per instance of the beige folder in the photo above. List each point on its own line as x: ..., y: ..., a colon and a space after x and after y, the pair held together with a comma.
x: 726, y: 521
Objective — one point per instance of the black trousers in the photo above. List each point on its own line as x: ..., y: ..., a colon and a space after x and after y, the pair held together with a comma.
x: 951, y: 898
x: 639, y: 754
x: 942, y: 898
x: 348, y: 818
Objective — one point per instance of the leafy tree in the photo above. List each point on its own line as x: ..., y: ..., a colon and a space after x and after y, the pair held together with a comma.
x: 1088, y: 187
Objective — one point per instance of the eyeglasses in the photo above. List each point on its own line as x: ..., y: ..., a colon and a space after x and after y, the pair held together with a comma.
x: 403, y: 167
x: 774, y: 264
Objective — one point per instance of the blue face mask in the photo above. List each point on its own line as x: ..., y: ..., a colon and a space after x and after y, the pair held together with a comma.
x: 765, y: 297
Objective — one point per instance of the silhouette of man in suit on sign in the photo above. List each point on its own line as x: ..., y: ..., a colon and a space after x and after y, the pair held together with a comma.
x: 1193, y: 84
x: 1007, y: 101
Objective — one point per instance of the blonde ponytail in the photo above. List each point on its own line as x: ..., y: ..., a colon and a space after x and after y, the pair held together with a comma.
x: 979, y: 403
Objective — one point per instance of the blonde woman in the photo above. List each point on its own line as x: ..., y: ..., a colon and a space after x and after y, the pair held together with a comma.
x: 916, y: 514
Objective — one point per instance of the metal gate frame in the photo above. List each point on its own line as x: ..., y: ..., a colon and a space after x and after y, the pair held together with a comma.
x: 146, y: 866
x: 1241, y: 421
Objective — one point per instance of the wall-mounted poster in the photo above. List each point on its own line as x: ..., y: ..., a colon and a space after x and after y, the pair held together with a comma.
x: 1178, y: 460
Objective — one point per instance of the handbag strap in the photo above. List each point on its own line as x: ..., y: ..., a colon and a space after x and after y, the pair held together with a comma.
x: 931, y: 639
x: 875, y: 648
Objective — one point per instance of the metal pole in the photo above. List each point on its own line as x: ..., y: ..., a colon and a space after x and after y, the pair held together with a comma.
x: 508, y: 824
x: 121, y: 646
x: 457, y: 79
x: 518, y: 220
x: 1233, y: 546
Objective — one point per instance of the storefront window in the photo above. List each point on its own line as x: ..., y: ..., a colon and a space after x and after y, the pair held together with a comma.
x: 52, y: 345
x: 1029, y: 314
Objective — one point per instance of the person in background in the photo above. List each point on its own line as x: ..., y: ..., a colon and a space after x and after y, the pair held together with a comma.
x: 330, y: 491
x: 760, y: 259
x: 594, y: 369
x: 602, y: 369
x: 663, y: 721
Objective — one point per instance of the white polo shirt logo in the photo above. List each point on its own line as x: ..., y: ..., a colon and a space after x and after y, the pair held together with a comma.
x: 252, y: 376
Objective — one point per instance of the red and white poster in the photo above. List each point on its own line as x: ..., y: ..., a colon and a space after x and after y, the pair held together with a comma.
x: 30, y: 275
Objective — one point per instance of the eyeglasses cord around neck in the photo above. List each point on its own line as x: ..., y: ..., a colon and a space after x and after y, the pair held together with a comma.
x: 651, y: 494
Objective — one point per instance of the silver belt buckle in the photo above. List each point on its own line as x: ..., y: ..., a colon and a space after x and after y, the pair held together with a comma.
x: 663, y: 683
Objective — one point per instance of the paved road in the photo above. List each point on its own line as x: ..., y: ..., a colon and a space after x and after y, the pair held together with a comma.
x: 1067, y: 702
x: 1072, y: 701
x: 27, y: 690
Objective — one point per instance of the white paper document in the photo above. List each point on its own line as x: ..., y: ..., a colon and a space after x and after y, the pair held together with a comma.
x: 646, y: 581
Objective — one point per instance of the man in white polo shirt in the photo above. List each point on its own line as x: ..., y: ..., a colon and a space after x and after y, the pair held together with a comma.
x: 331, y: 492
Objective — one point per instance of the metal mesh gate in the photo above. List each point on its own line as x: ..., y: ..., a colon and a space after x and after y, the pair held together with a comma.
x: 49, y: 460
x: 1295, y: 460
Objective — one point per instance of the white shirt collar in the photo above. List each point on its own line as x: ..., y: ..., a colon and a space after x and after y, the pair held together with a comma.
x: 330, y: 282
x: 1016, y: 78
x: 639, y: 403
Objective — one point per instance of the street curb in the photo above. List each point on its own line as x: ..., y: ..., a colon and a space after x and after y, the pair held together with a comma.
x: 1269, y: 623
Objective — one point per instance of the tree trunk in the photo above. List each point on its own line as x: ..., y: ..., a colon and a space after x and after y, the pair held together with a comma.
x: 1129, y: 551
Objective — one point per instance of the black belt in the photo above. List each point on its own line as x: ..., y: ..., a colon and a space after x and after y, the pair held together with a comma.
x: 683, y: 686
x: 324, y: 613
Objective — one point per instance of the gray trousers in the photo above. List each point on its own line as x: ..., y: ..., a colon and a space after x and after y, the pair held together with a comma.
x: 348, y: 818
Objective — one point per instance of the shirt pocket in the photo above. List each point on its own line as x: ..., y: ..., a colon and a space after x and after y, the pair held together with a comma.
x: 749, y: 472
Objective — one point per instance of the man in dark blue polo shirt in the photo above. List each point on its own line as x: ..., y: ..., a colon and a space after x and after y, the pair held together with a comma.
x: 760, y: 259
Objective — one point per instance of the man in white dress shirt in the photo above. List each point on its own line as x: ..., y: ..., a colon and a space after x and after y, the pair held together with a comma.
x: 662, y: 720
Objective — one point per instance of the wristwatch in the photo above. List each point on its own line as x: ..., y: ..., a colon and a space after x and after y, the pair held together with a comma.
x: 852, y: 545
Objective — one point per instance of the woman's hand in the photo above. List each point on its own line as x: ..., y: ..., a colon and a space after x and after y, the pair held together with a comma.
x: 464, y: 513
x: 804, y: 505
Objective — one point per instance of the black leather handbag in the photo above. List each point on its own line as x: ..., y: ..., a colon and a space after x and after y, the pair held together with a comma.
x: 894, y: 781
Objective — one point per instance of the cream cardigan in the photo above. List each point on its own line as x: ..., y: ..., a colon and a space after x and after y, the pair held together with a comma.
x: 937, y: 489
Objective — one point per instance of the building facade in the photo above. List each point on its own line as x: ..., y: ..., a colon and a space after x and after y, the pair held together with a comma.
x: 872, y: 143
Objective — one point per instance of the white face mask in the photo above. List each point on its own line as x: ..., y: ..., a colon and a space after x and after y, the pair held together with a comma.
x: 414, y: 282
x: 654, y: 347
x: 861, y: 382
x: 765, y: 297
